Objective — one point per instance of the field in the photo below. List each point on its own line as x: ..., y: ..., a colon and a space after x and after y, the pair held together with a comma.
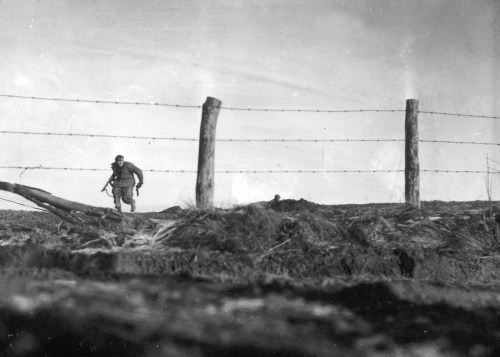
x: 278, y: 278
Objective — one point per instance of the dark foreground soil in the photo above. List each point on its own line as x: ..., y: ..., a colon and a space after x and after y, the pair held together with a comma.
x: 279, y: 278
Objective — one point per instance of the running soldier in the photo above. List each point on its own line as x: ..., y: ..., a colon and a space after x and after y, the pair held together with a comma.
x: 123, y: 181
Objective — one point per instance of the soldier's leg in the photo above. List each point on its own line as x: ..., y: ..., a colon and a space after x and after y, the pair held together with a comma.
x: 128, y: 196
x: 117, y: 195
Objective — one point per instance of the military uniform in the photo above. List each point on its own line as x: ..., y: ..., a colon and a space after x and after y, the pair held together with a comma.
x: 123, y: 182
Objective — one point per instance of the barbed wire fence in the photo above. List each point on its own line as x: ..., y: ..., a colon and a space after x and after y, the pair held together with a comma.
x: 489, y: 169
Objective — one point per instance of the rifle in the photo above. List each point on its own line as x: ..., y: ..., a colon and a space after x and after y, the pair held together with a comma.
x: 107, y: 183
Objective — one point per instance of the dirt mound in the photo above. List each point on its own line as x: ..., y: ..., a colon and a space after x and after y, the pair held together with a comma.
x: 289, y: 205
x: 395, y: 241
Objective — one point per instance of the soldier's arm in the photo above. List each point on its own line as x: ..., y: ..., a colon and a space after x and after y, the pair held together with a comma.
x: 139, y: 174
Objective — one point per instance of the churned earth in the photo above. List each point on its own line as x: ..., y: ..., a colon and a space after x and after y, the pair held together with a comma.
x: 278, y: 278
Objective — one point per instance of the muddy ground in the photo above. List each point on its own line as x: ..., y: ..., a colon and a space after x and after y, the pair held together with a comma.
x: 278, y: 278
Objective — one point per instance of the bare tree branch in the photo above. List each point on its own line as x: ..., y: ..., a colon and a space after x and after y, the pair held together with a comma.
x: 62, y: 208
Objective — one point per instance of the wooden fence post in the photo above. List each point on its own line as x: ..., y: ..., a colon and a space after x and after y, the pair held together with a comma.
x: 412, y: 170
x: 206, y: 155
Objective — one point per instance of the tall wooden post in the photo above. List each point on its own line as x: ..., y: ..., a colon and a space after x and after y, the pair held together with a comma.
x: 412, y: 170
x: 206, y: 155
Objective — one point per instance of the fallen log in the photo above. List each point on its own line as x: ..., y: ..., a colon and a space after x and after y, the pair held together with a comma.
x: 62, y: 208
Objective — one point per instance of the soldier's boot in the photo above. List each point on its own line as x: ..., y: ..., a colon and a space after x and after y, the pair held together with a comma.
x: 132, y: 204
x: 119, y: 209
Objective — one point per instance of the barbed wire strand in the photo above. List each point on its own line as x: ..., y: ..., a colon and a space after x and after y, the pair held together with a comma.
x: 192, y: 139
x: 237, y: 140
x: 21, y: 204
x: 152, y: 103
x: 97, y: 135
x: 459, y: 114
x: 457, y: 171
x: 101, y: 101
x: 315, y: 110
x: 458, y: 142
x: 240, y: 171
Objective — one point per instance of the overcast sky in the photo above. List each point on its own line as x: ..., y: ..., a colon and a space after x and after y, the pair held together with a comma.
x: 323, y: 54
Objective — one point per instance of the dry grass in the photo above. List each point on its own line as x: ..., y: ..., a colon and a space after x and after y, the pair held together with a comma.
x: 258, y: 228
